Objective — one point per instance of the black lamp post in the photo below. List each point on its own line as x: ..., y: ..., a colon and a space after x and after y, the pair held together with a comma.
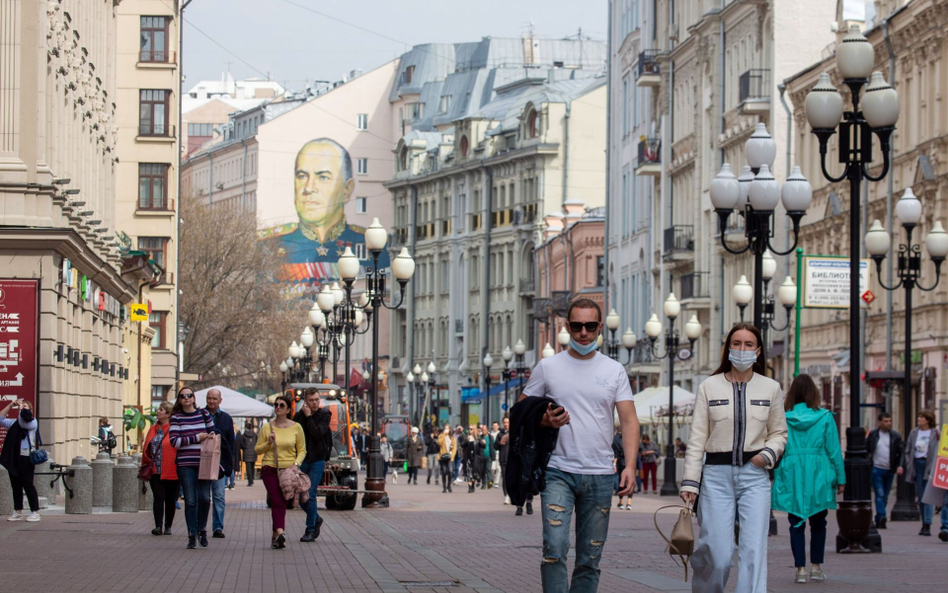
x: 878, y: 241
x: 877, y: 115
x: 653, y: 328
x: 488, y: 362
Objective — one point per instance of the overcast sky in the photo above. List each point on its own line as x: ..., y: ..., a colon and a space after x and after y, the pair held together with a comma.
x: 293, y: 44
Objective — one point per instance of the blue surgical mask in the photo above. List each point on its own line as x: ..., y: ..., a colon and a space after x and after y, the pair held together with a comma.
x: 742, y: 359
x: 583, y: 350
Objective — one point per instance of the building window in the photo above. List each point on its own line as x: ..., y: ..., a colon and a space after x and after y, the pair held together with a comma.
x: 152, y: 186
x: 362, y: 121
x: 154, y: 247
x: 600, y: 270
x: 409, y: 72
x: 362, y: 166
x: 360, y: 251
x: 159, y: 394
x: 154, y: 39
x: 415, y: 111
x: 445, y: 104
x: 464, y: 146
x: 361, y: 205
x: 201, y: 130
x: 153, y: 113
x: 156, y: 320
x: 533, y: 124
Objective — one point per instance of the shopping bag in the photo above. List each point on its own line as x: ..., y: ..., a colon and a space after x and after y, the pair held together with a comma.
x: 424, y: 463
x: 210, y: 457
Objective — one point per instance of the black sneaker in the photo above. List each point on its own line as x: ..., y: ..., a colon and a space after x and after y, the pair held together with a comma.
x: 319, y: 526
x: 156, y: 531
x: 926, y: 530
x: 192, y: 543
x: 308, y: 537
x: 881, y: 523
x: 280, y: 541
x: 943, y: 535
x: 529, y: 508
x: 202, y: 538
x: 519, y: 511
x: 218, y: 534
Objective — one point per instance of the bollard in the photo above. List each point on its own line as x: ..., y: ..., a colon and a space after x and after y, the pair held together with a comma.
x: 125, y: 486
x: 80, y: 503
x: 43, y: 490
x: 146, y: 497
x: 102, y: 480
x: 6, y: 493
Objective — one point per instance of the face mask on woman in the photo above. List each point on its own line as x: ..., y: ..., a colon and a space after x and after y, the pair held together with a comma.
x: 26, y: 415
x: 742, y: 359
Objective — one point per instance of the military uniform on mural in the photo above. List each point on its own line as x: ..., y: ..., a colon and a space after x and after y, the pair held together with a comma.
x: 307, y: 258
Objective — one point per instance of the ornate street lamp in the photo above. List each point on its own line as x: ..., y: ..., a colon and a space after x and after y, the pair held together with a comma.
x: 653, y: 329
x: 743, y: 294
x: 612, y: 324
x: 488, y: 362
x: 878, y: 241
x: 562, y: 338
x: 548, y: 351
x: 824, y: 108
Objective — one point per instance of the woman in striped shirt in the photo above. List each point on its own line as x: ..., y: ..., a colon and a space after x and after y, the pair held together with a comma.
x: 189, y: 428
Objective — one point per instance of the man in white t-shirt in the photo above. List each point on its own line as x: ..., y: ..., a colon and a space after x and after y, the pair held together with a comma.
x: 885, y: 450
x: 588, y: 387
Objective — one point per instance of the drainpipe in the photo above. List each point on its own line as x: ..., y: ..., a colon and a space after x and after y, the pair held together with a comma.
x: 485, y: 290
x: 888, y: 214
x: 210, y: 181
x: 243, y: 172
x: 177, y: 218
x: 566, y: 153
x: 410, y: 325
x: 605, y: 255
x: 722, y: 294
x: 786, y: 261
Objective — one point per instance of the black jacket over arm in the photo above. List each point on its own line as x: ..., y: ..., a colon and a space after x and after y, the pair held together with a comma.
x: 318, y: 434
x: 530, y: 447
x: 225, y: 425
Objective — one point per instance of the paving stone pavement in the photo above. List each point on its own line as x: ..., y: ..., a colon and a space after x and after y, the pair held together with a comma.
x: 426, y: 542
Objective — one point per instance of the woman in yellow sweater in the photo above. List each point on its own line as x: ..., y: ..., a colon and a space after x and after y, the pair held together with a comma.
x: 282, y: 444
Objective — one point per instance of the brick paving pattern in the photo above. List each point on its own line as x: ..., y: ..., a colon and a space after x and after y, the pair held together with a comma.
x: 426, y: 542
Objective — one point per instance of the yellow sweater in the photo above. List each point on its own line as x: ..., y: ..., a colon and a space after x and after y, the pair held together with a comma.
x: 290, y: 443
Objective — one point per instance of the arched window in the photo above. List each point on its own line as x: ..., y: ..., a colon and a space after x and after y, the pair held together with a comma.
x: 533, y: 124
x: 403, y: 159
x: 464, y: 146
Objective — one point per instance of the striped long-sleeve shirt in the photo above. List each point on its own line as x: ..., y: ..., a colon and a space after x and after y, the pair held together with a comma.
x: 184, y: 432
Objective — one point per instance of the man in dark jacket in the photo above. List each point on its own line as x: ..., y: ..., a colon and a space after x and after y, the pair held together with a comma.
x: 885, y: 449
x: 315, y: 420
x: 247, y: 445
x: 503, y: 449
x: 225, y: 425
x: 361, y: 446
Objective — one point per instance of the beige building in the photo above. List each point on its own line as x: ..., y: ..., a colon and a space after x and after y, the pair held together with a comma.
x: 473, y: 181
x: 58, y: 137
x: 917, y: 68
x: 714, y: 69
x: 146, y: 176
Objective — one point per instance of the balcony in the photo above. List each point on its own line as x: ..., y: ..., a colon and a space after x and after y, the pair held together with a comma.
x: 156, y: 57
x: 679, y: 242
x: 754, y: 92
x: 650, y: 157
x: 695, y: 286
x: 649, y: 72
x: 527, y: 285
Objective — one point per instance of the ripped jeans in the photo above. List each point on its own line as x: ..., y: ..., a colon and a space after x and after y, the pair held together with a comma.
x: 589, y: 498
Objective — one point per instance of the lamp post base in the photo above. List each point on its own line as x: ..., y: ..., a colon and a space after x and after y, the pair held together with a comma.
x: 857, y: 532
x: 670, y: 486
x: 375, y: 496
x: 904, y: 509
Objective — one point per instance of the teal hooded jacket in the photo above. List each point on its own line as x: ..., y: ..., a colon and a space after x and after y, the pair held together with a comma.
x: 812, y: 464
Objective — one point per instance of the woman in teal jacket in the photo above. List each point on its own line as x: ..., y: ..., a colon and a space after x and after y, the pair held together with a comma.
x: 810, y: 474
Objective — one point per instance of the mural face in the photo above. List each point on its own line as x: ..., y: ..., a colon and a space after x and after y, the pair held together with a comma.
x: 323, y: 183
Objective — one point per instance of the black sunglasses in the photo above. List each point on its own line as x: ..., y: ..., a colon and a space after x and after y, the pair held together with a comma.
x: 281, y: 405
x: 184, y: 395
x: 576, y: 326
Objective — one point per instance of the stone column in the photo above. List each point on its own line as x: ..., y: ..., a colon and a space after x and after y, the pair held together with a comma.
x: 102, y: 480
x: 44, y: 491
x: 145, y: 494
x: 80, y: 503
x: 125, y: 486
x: 6, y: 493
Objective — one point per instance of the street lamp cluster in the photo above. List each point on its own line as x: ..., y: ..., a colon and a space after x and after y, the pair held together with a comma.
x: 424, y: 385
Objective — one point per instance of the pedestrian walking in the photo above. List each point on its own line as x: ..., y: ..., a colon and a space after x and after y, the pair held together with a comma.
x: 283, y: 445
x: 359, y: 442
x: 414, y: 453
x: 107, y: 440
x: 486, y: 448
x: 929, y: 469
x: 503, y: 450
x: 576, y: 394
x: 22, y: 438
x: 189, y: 428
x: 447, y: 451
x: 161, y: 455
x: 386, y: 450
x: 432, y: 454
x: 914, y: 460
x: 618, y: 453
x: 225, y: 426
x: 810, y: 476
x: 316, y: 420
x: 650, y: 456
x: 680, y: 448
x: 739, y: 429
x: 459, y: 438
x: 247, y: 444
x: 885, y: 449
x: 495, y: 455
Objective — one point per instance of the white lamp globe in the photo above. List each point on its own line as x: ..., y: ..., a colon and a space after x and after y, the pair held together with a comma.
x: 416, y: 369
x: 599, y: 341
x: 628, y: 338
x: 653, y: 327
x: 293, y: 350
x: 824, y: 105
x: 307, y: 337
x: 316, y: 317
x: 366, y: 376
x: 563, y: 338
x: 877, y: 239
x: 432, y: 368
x: 488, y: 361
x: 672, y: 306
x: 404, y: 266
x: 375, y: 236
x: 325, y: 299
x: 507, y: 354
x: 348, y: 265
x: 612, y: 320
x: 283, y: 367
x: 424, y: 377
x: 359, y: 317
x: 787, y: 293
x: 410, y: 377
x: 937, y: 241
x: 796, y: 193
x: 880, y: 104
x: 548, y: 351
x: 764, y: 191
x: 725, y: 189
x: 770, y: 265
x: 743, y: 292
x: 337, y: 293
x: 909, y: 208
x: 854, y: 56
x: 290, y: 363
x: 760, y: 148
x: 744, y: 181
x: 520, y: 348
x: 693, y: 328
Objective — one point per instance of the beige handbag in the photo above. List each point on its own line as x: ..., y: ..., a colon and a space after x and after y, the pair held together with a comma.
x: 682, y: 540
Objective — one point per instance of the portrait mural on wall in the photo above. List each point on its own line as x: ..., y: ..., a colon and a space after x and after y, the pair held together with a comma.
x: 323, y: 184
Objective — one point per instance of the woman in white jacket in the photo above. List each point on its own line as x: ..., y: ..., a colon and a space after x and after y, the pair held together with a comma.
x: 738, y: 432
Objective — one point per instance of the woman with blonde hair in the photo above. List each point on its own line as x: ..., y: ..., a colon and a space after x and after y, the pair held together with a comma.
x: 161, y: 456
x: 282, y: 444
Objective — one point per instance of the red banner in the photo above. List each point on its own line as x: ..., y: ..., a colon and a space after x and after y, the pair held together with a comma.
x: 19, y: 320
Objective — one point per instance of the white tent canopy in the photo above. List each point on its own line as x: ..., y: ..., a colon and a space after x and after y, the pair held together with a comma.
x: 651, y: 400
x: 235, y: 403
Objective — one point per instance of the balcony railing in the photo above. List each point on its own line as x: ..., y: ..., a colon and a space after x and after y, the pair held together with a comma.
x: 679, y: 238
x: 694, y: 285
x: 754, y: 85
x: 526, y: 285
x: 648, y: 63
x: 650, y: 151
x: 160, y: 56
x: 159, y: 130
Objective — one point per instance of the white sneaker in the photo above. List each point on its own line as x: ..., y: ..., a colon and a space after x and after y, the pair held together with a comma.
x: 801, y: 576
x: 16, y: 516
x: 628, y: 507
x: 816, y: 574
x: 35, y: 517
x: 506, y: 500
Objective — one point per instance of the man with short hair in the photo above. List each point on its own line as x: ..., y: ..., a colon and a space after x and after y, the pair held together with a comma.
x: 247, y: 445
x: 885, y: 448
x: 225, y: 425
x: 495, y: 455
x: 503, y: 446
x: 488, y: 454
x: 315, y: 420
x: 586, y: 389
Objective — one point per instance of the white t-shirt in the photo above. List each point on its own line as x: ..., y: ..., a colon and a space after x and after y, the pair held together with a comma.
x: 588, y: 390
x: 921, y: 443
x: 880, y: 458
